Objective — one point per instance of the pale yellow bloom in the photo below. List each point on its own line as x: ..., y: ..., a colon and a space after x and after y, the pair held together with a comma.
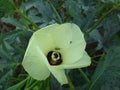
x: 55, y: 48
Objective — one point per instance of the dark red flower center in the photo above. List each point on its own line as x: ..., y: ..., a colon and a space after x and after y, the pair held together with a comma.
x: 54, y: 58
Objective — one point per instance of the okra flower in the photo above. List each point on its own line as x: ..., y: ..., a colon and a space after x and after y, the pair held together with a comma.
x: 55, y: 48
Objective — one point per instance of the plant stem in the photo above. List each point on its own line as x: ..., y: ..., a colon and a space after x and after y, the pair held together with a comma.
x: 18, y: 86
x: 24, y: 16
x: 100, y: 20
x: 84, y: 75
x: 58, y: 16
x: 70, y: 83
x: 29, y: 88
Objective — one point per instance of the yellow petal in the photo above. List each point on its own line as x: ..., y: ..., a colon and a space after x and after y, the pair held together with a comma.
x: 60, y: 33
x: 34, y: 62
x: 76, y: 48
x: 59, y: 74
x: 77, y: 35
x: 43, y: 41
x: 72, y: 54
x: 83, y: 62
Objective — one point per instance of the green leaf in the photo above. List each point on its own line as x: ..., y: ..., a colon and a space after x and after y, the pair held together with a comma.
x: 111, y: 26
x: 4, y: 77
x: 14, y: 22
x: 6, y: 7
x: 13, y: 35
x: 110, y: 1
x: 97, y: 37
x: 107, y: 72
x: 18, y: 86
x: 39, y: 11
x: 82, y: 12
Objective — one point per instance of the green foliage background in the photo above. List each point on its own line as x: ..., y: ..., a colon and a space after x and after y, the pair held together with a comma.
x: 98, y: 19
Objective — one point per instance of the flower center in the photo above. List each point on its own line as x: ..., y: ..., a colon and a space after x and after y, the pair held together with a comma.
x: 54, y: 58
